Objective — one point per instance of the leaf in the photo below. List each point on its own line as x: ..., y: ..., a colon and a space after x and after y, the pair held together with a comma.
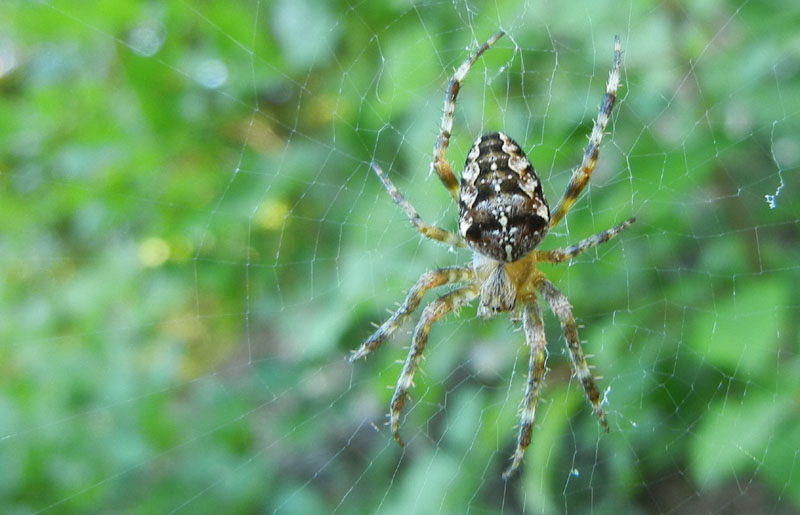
x: 740, y: 334
x: 734, y: 438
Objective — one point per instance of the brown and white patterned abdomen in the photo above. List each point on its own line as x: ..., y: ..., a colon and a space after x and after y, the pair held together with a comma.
x: 502, y: 210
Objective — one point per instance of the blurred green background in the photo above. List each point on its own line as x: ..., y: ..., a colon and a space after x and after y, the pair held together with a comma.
x: 192, y: 241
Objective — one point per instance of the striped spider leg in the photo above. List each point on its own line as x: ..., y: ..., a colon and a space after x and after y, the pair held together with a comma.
x: 440, y: 163
x: 432, y: 312
x: 581, y: 175
x: 535, y: 338
x: 429, y: 280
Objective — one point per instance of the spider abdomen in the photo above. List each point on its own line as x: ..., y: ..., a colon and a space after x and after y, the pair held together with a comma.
x: 502, y: 210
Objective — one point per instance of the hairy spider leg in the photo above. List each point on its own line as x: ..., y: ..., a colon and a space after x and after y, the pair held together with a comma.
x: 432, y: 312
x: 428, y: 280
x: 560, y: 255
x: 440, y: 163
x: 581, y: 175
x: 535, y: 338
x: 427, y: 230
x: 561, y: 308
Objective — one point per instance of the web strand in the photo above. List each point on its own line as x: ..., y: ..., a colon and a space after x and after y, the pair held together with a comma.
x: 195, y: 240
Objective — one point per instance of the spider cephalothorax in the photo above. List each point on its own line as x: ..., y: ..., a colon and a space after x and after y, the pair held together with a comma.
x: 503, y: 216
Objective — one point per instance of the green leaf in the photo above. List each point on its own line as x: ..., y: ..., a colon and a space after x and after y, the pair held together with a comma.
x: 734, y: 438
x: 740, y: 333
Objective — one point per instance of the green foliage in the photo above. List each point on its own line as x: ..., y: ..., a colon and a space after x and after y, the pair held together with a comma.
x: 192, y: 241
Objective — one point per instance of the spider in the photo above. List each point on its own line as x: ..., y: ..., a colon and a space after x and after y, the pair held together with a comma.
x: 502, y: 217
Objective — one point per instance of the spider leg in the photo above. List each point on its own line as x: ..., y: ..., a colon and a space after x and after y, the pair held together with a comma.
x: 559, y: 255
x: 560, y: 306
x: 440, y: 164
x: 581, y: 175
x: 433, y: 312
x: 535, y: 337
x: 427, y: 230
x: 428, y: 280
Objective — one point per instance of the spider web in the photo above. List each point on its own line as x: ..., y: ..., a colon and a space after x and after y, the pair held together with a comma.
x: 195, y: 242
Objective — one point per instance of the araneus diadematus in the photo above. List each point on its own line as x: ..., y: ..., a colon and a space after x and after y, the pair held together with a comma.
x: 502, y: 217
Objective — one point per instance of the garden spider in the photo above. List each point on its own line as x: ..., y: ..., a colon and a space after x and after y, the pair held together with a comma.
x: 502, y: 217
